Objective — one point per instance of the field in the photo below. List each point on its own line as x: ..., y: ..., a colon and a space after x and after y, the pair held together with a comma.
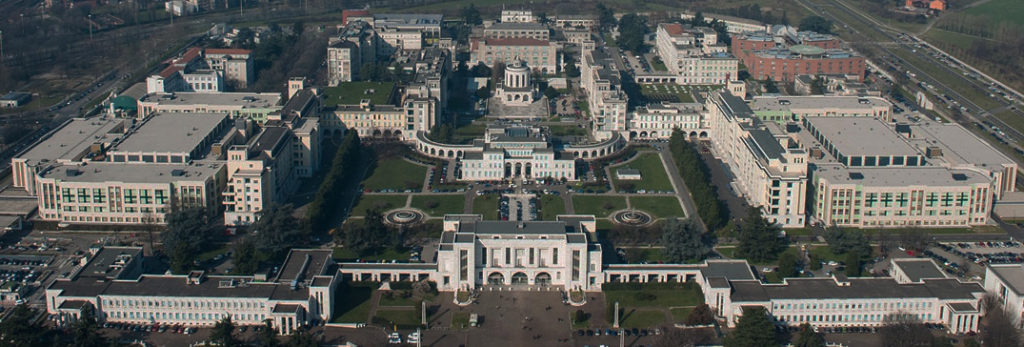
x: 654, y: 177
x: 350, y: 93
x: 439, y: 205
x: 1000, y: 11
x: 486, y: 205
x: 551, y: 206
x: 384, y: 202
x: 567, y: 130
x: 648, y: 305
x: 598, y: 205
x: 384, y: 175
x: 658, y: 206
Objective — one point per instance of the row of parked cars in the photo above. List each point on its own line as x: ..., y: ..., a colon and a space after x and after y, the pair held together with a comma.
x: 987, y: 258
x: 177, y: 329
x: 615, y: 332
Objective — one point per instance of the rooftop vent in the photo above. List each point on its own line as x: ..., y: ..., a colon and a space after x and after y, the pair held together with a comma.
x: 856, y: 176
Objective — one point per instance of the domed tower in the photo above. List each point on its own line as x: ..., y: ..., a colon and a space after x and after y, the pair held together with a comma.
x: 516, y: 89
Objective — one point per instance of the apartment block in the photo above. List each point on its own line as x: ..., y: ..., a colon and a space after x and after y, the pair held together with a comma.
x: 540, y: 55
x: 600, y: 78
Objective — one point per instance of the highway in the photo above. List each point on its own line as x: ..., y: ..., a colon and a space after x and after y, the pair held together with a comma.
x: 890, y: 47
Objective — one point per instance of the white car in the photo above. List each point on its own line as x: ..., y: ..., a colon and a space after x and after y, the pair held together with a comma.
x: 394, y: 338
x: 413, y: 337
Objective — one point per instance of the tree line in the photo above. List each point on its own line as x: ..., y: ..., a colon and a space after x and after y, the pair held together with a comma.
x: 343, y: 166
x: 696, y: 175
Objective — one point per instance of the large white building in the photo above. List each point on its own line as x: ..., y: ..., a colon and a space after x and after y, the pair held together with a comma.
x: 694, y: 55
x: 1006, y: 283
x: 600, y: 78
x: 657, y: 121
x: 111, y: 279
x: 356, y: 44
x: 255, y: 106
x: 769, y: 172
x: 516, y: 152
x: 540, y: 55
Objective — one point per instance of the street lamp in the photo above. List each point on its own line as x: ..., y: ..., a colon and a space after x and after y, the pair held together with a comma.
x: 90, y: 26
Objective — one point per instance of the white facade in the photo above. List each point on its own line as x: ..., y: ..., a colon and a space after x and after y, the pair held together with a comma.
x: 600, y: 79
x: 1006, y: 282
x: 657, y: 121
x: 694, y: 55
x: 516, y: 89
x: 517, y: 16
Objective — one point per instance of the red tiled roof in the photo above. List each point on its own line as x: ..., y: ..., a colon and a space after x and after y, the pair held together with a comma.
x: 227, y: 51
x: 674, y: 29
x: 170, y: 70
x: 191, y: 54
x: 518, y: 41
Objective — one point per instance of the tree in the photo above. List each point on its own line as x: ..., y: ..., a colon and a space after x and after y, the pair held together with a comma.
x: 754, y: 329
x: 372, y: 234
x: 605, y: 17
x: 245, y: 257
x: 632, y: 28
x: 86, y: 330
x: 301, y: 338
x: 684, y: 241
x: 818, y: 86
x: 770, y: 87
x: 187, y: 232
x: 277, y: 230
x: 481, y: 70
x: 483, y: 93
x: 223, y: 332
x: 903, y: 329
x: 816, y: 24
x: 997, y: 327
x: 542, y: 18
x: 551, y: 93
x: 808, y: 338
x: 700, y: 315
x: 267, y: 337
x: 698, y: 20
x: 787, y: 265
x: 759, y: 239
x: 570, y: 67
x: 471, y: 15
x: 847, y: 241
x: 19, y: 328
x: 676, y: 337
x: 298, y: 28
x: 853, y: 264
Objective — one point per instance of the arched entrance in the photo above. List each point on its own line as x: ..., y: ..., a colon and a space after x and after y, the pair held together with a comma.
x: 496, y: 278
x: 520, y: 278
x: 519, y: 170
x: 542, y: 279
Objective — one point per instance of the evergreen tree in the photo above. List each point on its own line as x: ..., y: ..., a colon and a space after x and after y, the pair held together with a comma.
x: 817, y: 24
x: 223, y: 332
x: 267, y: 336
x: 754, y: 329
x: 86, y: 330
x: 188, y: 231
x: 277, y: 230
x: 808, y: 338
x: 19, y: 329
x: 684, y: 242
x: 471, y: 15
x: 700, y: 315
x: 245, y: 257
x: 605, y: 17
x: 787, y: 265
x: 759, y: 239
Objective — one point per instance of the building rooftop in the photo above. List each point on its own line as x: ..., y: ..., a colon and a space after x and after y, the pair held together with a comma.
x: 1011, y: 274
x: 860, y: 136
x: 799, y: 104
x: 729, y: 269
x: 98, y: 172
x: 856, y: 288
x: 243, y: 100
x: 111, y: 263
x: 73, y: 139
x: 918, y: 269
x: 516, y: 26
x: 516, y: 41
x: 900, y: 176
x: 171, y: 132
x: 959, y: 145
x: 305, y: 264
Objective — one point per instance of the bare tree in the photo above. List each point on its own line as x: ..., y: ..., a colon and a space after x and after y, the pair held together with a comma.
x: 996, y: 325
x: 902, y: 329
x: 685, y: 337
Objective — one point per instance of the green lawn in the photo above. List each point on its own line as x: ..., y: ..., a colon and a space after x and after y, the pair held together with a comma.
x: 644, y: 254
x: 439, y: 205
x: 658, y: 206
x: 598, y: 205
x: 401, y: 318
x: 396, y: 299
x: 666, y: 92
x: 396, y: 173
x: 567, y: 130
x: 486, y: 205
x: 468, y: 132
x: 352, y: 303
x: 551, y: 206
x: 679, y: 313
x: 642, y: 319
x: 350, y: 93
x: 728, y: 252
x: 384, y: 202
x: 1011, y: 11
x: 213, y: 252
x: 654, y: 177
x: 460, y: 320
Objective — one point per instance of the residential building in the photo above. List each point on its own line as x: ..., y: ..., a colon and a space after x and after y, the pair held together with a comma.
x: 770, y: 172
x: 204, y: 70
x: 517, y: 16
x: 600, y: 78
x: 254, y: 106
x: 236, y: 64
x: 407, y: 31
x: 262, y: 172
x: 515, y: 30
x: 785, y: 54
x: 578, y: 21
x: 112, y: 281
x: 1006, y: 283
x: 356, y: 45
x: 695, y: 55
x: 733, y: 25
x: 541, y: 55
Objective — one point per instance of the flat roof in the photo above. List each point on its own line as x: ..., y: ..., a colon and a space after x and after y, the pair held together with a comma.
x: 98, y: 172
x: 728, y: 269
x: 517, y: 26
x: 244, y: 100
x: 772, y: 103
x: 900, y: 176
x: 105, y: 263
x: 1011, y: 274
x: 862, y: 136
x: 919, y: 269
x: 74, y: 138
x: 296, y: 267
x: 17, y: 205
x: 857, y: 288
x: 959, y: 145
x: 171, y: 132
x: 177, y: 286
